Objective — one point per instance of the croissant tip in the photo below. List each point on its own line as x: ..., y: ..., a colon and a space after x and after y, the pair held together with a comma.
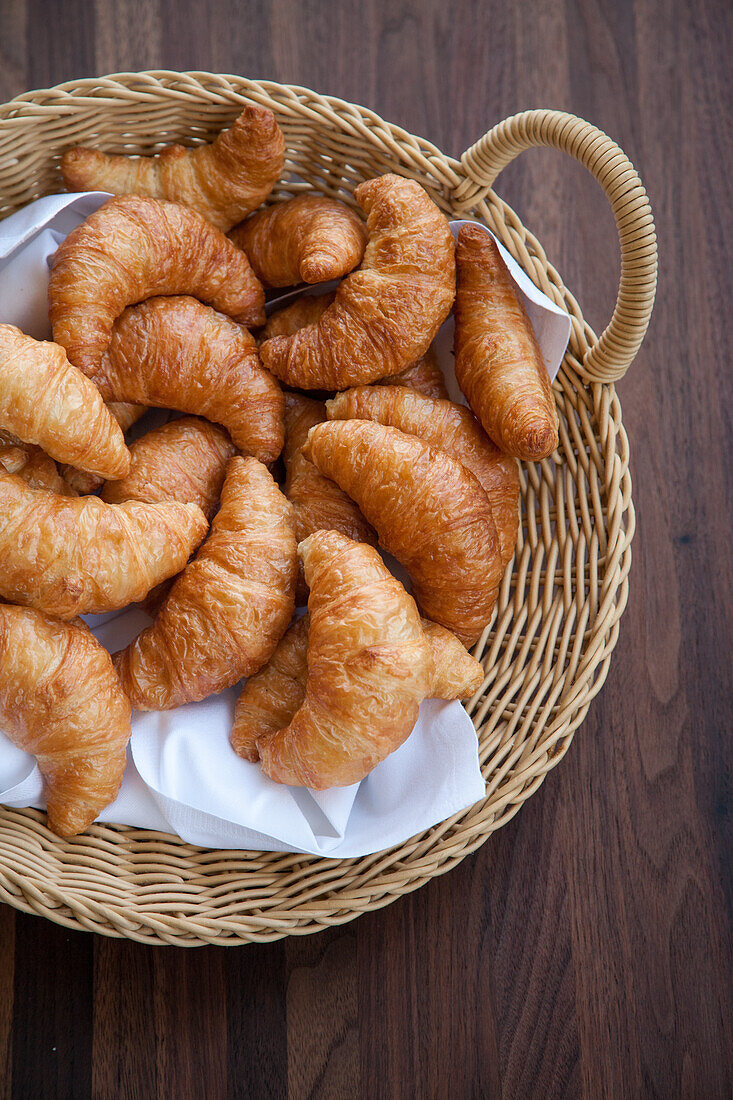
x: 537, y: 441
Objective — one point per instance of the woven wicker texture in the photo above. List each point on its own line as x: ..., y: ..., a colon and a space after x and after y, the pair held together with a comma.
x: 547, y: 650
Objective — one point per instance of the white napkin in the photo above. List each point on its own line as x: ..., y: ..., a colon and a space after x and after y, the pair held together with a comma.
x: 182, y: 775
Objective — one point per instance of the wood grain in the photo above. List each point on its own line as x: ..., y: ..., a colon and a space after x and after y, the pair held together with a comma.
x: 585, y: 949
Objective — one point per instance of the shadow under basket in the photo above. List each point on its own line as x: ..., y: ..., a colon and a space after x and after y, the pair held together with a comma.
x: 547, y: 650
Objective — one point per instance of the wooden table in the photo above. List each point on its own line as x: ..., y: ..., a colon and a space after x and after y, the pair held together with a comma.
x: 583, y: 951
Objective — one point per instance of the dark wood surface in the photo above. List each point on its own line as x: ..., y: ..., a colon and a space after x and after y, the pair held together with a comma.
x: 585, y: 949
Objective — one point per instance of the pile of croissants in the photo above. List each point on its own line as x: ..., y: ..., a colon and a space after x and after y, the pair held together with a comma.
x: 151, y: 302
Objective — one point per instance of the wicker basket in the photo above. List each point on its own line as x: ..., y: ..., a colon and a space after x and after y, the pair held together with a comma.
x: 547, y: 651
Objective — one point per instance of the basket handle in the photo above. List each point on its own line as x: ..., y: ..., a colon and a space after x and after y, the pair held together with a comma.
x: 612, y: 354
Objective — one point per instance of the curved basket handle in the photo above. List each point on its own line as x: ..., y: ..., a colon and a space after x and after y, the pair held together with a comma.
x: 613, y: 353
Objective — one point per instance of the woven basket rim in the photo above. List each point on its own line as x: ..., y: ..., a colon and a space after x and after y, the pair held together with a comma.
x: 126, y: 855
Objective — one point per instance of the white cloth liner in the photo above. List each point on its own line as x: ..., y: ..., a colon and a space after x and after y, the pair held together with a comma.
x: 182, y: 775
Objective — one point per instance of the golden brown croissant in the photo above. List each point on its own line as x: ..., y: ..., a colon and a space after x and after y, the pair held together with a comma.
x: 424, y: 375
x: 452, y: 428
x: 79, y: 556
x: 224, y: 181
x: 318, y: 502
x: 428, y: 510
x: 308, y: 239
x: 456, y: 674
x: 369, y: 668
x: 228, y: 610
x: 80, y: 481
x: 271, y: 697
x: 305, y: 310
x: 177, y: 353
x: 499, y: 365
x: 46, y: 401
x: 184, y: 460
x: 61, y: 701
x: 386, y: 314
x: 31, y: 464
x: 133, y: 248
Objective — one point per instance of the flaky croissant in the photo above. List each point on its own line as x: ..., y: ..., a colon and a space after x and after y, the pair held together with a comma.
x: 61, y: 701
x: 369, y: 668
x: 428, y: 510
x: 424, y: 375
x: 223, y: 181
x: 32, y: 465
x: 184, y: 460
x: 46, y: 401
x: 386, y: 314
x: 229, y: 608
x: 77, y: 556
x: 179, y: 354
x: 271, y: 697
x: 305, y: 310
x: 452, y: 428
x: 308, y: 239
x: 133, y: 248
x: 81, y: 481
x: 499, y: 365
x: 318, y: 502
x: 456, y: 674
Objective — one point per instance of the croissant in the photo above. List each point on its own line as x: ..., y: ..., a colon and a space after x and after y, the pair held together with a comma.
x: 46, y: 401
x: 61, y: 701
x: 308, y: 239
x: 453, y: 429
x: 428, y: 510
x: 31, y: 464
x: 305, y: 310
x: 271, y: 697
x: 79, y: 556
x: 499, y: 365
x: 81, y: 482
x: 318, y: 503
x: 228, y: 610
x: 177, y: 353
x: 133, y: 248
x: 184, y: 460
x: 456, y: 674
x: 224, y: 181
x: 386, y: 314
x: 369, y: 668
x: 424, y: 376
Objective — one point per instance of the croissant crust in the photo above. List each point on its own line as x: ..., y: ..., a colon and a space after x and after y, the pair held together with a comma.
x: 369, y: 667
x: 31, y: 464
x: 270, y: 698
x: 386, y: 313
x: 133, y: 248
x: 319, y: 504
x: 79, y: 556
x: 223, y: 181
x: 46, y: 401
x: 184, y: 460
x: 499, y: 365
x: 61, y: 700
x: 452, y: 428
x: 428, y: 510
x: 308, y: 239
x: 227, y: 611
x: 177, y: 353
